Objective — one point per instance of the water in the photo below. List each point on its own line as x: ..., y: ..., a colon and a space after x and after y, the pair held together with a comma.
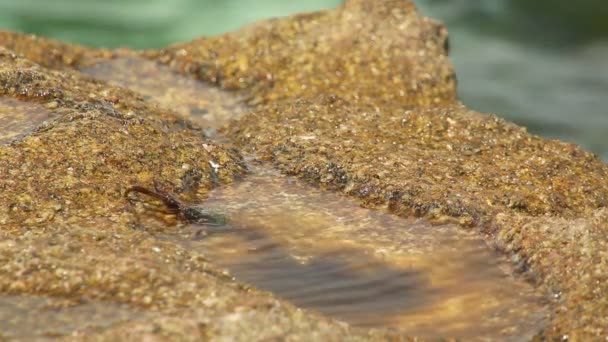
x: 19, y: 119
x: 209, y: 106
x: 142, y: 23
x: 531, y: 62
x: 322, y: 251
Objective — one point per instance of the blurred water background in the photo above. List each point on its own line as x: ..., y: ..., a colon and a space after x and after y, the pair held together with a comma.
x: 542, y: 63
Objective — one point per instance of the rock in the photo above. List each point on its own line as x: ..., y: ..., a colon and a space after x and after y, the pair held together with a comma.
x: 398, y: 58
x: 361, y: 99
x: 422, y: 153
x: 68, y: 231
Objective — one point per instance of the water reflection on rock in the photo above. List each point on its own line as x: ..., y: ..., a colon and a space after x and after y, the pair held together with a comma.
x: 19, y: 119
x: 206, y: 105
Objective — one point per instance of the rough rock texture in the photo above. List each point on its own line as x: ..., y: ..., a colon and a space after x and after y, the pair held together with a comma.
x: 50, y: 53
x: 360, y: 99
x: 103, y: 140
x: 366, y: 52
x: 379, y: 121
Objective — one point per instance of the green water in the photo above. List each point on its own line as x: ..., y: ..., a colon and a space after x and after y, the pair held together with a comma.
x: 542, y: 64
x: 142, y: 23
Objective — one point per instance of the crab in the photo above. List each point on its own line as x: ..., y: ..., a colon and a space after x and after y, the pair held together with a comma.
x: 189, y: 213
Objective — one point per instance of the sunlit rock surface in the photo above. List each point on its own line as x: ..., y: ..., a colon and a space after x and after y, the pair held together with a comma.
x: 360, y: 100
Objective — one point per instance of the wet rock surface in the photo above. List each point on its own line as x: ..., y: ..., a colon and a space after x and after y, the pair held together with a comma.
x: 360, y: 100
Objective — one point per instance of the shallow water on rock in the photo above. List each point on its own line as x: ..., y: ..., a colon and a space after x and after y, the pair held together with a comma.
x: 35, y: 317
x: 208, y: 106
x: 18, y: 118
x: 322, y: 251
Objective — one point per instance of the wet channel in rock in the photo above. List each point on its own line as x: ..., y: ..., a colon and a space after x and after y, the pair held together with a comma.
x: 19, y: 118
x: 323, y: 251
x: 207, y: 105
